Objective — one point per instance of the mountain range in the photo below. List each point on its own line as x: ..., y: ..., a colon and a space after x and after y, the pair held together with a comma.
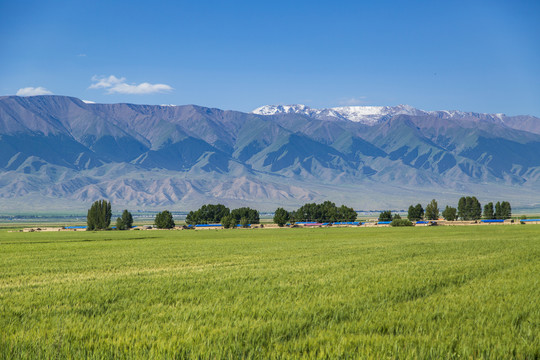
x: 62, y: 153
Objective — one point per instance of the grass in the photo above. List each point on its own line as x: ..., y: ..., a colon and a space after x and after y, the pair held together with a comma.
x: 440, y: 293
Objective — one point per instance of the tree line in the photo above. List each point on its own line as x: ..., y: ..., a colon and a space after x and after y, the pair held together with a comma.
x: 213, y: 214
x: 468, y: 208
x: 324, y: 212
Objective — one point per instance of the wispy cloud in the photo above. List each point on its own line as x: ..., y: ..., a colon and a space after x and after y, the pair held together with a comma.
x: 116, y: 85
x: 32, y: 91
x: 359, y: 100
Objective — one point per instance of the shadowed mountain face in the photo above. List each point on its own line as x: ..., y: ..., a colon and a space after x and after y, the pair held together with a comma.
x: 56, y: 150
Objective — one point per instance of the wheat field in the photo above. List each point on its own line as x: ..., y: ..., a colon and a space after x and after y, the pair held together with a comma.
x: 391, y: 293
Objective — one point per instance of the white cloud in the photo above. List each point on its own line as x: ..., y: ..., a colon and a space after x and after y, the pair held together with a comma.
x: 117, y: 85
x: 105, y: 82
x: 32, y: 91
x: 360, y: 100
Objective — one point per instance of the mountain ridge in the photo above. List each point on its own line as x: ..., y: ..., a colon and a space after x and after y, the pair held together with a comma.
x: 59, y: 150
x: 371, y: 115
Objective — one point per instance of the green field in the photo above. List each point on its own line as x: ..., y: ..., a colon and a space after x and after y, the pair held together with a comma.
x: 430, y: 292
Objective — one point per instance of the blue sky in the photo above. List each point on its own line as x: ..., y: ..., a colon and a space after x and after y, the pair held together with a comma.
x: 479, y: 56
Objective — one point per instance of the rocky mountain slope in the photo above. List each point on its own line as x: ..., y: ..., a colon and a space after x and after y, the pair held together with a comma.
x: 60, y: 151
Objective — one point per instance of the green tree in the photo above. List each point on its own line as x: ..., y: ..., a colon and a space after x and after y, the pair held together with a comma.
x: 127, y: 219
x: 164, y: 220
x: 419, y: 211
x: 328, y: 212
x: 449, y: 213
x: 325, y: 212
x: 396, y: 217
x: 228, y: 222
x: 99, y: 215
x: 251, y: 215
x: 207, y: 214
x: 244, y: 222
x: 345, y: 213
x: 476, y: 209
x: 281, y: 216
x: 432, y: 210
x: 462, y: 208
x: 469, y: 208
x: 498, y: 210
x: 415, y: 213
x: 120, y: 224
x: 125, y: 222
x: 385, y: 215
x: 488, y: 211
x: 308, y: 212
x: 506, y: 210
x: 411, y: 213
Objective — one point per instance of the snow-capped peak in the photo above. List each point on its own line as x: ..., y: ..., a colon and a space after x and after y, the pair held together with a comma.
x: 364, y: 114
x: 371, y: 115
x: 281, y: 109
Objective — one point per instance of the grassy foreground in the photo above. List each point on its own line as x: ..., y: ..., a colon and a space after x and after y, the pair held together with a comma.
x: 441, y: 293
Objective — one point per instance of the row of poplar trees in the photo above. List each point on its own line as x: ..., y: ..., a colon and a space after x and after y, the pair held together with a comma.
x: 469, y: 208
x: 99, y: 217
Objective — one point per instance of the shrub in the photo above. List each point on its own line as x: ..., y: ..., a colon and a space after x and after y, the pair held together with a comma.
x: 401, y: 222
